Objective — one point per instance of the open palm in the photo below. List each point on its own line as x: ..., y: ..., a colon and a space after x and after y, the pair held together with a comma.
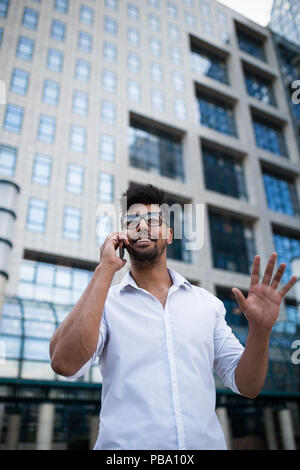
x: 261, y: 308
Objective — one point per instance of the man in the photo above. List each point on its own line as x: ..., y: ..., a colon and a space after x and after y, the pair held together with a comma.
x: 158, y: 339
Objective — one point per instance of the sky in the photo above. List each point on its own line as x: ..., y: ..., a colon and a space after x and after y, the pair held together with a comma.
x: 257, y: 10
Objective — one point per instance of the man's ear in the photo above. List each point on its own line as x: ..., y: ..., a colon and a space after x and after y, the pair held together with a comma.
x: 170, y: 236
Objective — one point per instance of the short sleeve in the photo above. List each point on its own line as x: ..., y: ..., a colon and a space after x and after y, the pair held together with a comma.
x: 97, y: 353
x: 227, y: 349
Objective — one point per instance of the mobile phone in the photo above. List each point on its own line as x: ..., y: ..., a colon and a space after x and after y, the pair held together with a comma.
x: 121, y: 251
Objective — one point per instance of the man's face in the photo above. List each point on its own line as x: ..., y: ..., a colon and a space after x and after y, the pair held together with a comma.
x: 147, y: 240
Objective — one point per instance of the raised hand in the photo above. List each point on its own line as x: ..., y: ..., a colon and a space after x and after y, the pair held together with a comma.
x: 261, y: 308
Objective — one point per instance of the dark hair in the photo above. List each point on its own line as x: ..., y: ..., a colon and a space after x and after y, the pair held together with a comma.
x: 142, y: 194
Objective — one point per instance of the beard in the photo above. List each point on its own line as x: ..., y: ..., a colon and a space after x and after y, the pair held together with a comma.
x: 150, y: 254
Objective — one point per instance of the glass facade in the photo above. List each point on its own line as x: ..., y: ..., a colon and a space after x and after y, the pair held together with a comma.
x: 281, y: 194
x: 232, y: 243
x: 234, y: 315
x: 157, y: 151
x: 285, y: 19
x: 223, y: 173
x: 216, y: 114
x: 269, y: 137
x: 208, y: 64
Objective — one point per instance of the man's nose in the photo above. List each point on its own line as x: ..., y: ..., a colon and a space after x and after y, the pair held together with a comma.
x: 143, y: 225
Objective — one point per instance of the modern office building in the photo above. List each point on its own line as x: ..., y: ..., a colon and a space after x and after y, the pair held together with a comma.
x: 285, y: 19
x: 184, y: 94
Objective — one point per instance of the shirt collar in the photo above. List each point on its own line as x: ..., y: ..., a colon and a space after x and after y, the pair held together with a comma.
x: 177, y: 279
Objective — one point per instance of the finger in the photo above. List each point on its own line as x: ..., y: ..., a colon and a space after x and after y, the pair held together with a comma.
x: 255, y: 271
x: 239, y: 298
x: 269, y: 269
x: 288, y: 286
x: 278, y: 275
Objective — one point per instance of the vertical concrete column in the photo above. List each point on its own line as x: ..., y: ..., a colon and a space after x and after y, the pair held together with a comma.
x: 94, y: 429
x: 270, y: 428
x: 45, y: 426
x: 14, y: 422
x: 225, y: 424
x: 287, y: 431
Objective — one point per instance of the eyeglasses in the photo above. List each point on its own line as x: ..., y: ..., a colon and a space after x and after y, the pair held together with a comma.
x: 153, y: 219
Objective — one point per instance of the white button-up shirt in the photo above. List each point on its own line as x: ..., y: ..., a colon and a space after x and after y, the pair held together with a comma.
x: 157, y: 366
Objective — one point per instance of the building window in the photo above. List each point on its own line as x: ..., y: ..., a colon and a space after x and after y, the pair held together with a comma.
x: 46, y: 131
x: 208, y: 64
x: 61, y: 6
x: 177, y: 250
x: 232, y: 241
x: 72, y: 223
x: 75, y: 176
x: 260, y: 88
x: 55, y: 60
x: 52, y: 283
x: 108, y: 112
x: 173, y: 32
x: 110, y: 26
x: 133, y: 36
x: 216, y: 114
x: 178, y: 81
x: 134, y: 91
x: 153, y: 22
x: 1, y: 35
x: 109, y: 81
x: 287, y: 247
x: 205, y: 8
x: 155, y: 46
x: 30, y: 18
x: 223, y: 173
x: 19, y: 82
x: 80, y: 103
x: 153, y: 3
x: 105, y: 187
x: 41, y: 170
x: 154, y: 150
x: 134, y: 62
x: 269, y: 137
x: 156, y: 72
x: 37, y: 215
x: 175, y: 55
x: 51, y: 92
x: 110, y: 52
x: 4, y: 5
x: 133, y: 12
x: 180, y: 108
x: 58, y: 30
x: 25, y: 48
x: 86, y: 15
x: 281, y: 194
x: 85, y: 42
x: 190, y: 19
x: 234, y: 315
x: 82, y: 70
x: 112, y: 5
x: 251, y: 45
x: 8, y: 157
x: 171, y: 10
x: 13, y: 118
x: 104, y: 226
x: 78, y: 139
x: 157, y: 100
x: 107, y: 147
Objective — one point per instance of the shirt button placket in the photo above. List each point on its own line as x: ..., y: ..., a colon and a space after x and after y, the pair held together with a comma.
x: 174, y: 379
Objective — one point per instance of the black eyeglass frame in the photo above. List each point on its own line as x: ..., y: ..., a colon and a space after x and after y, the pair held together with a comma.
x: 144, y: 217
